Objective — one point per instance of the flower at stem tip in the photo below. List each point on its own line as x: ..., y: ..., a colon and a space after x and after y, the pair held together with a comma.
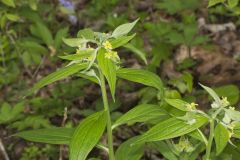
x: 107, y: 45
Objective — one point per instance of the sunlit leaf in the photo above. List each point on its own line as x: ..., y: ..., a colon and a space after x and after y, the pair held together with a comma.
x: 171, y: 128
x: 141, y: 76
x: 123, y: 29
x: 120, y: 41
x: 50, y: 135
x: 140, y: 113
x: 58, y: 75
x: 108, y: 68
x: 87, y: 135
x: 137, y: 51
x: 221, y: 137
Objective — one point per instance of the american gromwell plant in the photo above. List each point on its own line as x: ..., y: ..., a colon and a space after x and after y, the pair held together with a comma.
x: 174, y: 127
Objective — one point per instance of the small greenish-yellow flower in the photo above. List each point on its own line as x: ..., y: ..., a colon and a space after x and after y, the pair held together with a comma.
x: 232, y: 108
x: 224, y: 102
x: 112, y: 55
x: 107, y: 45
x: 108, y: 55
x: 191, y: 106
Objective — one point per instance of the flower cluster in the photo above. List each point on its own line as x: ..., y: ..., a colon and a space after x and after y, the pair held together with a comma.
x: 191, y: 106
x: 113, y: 55
x: 223, y: 103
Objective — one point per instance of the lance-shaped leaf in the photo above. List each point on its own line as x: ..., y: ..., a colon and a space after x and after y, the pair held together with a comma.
x: 141, y: 113
x: 58, y: 75
x: 123, y: 29
x: 171, y: 128
x: 136, y: 51
x: 212, y: 93
x: 87, y: 135
x: 141, y: 76
x: 221, y: 137
x: 108, y: 69
x: 51, y: 135
x: 128, y: 152
x: 120, y: 41
x: 74, y: 42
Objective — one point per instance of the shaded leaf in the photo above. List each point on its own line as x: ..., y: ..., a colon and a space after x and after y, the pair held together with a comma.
x: 128, y: 152
x: 229, y: 91
x: 9, y: 3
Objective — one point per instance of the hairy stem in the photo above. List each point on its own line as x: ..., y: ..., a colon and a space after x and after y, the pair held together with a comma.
x: 210, y: 140
x: 109, y: 123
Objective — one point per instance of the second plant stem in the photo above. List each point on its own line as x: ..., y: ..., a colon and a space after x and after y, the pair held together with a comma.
x: 109, y: 123
x: 210, y: 140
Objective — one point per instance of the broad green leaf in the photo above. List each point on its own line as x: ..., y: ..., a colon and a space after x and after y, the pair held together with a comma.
x: 13, y: 17
x: 59, y: 36
x: 229, y: 91
x: 86, y: 33
x: 221, y: 137
x: 120, y: 41
x: 108, y: 69
x: 140, y: 113
x: 9, y: 3
x: 177, y: 103
x: 87, y: 135
x: 233, y: 3
x: 78, y: 56
x: 138, y: 52
x: 164, y: 149
x: 51, y: 135
x: 74, y: 42
x: 141, y: 76
x: 9, y: 113
x: 212, y: 93
x: 58, y: 75
x: 44, y: 33
x: 171, y: 128
x: 214, y: 2
x: 128, y: 152
x: 123, y: 29
x: 33, y: 47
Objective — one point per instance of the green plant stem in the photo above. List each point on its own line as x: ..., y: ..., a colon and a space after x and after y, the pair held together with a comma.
x: 109, y: 124
x: 210, y: 140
